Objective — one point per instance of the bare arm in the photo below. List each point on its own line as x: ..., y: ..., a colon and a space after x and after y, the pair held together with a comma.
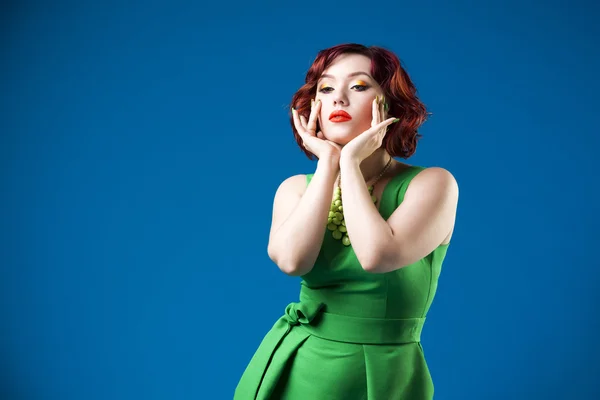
x: 418, y: 225
x: 300, y: 218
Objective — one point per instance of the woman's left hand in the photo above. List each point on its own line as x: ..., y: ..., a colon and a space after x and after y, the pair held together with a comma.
x: 370, y: 140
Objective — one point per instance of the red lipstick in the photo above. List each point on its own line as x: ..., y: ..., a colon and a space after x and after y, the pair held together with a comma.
x: 339, y: 116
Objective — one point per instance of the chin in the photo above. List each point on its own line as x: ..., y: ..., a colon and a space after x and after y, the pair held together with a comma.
x: 340, y: 136
x: 341, y: 140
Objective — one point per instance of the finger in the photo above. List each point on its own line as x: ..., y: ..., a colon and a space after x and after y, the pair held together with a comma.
x: 380, y: 127
x: 335, y: 144
x: 312, y: 120
x: 374, y: 120
x: 320, y: 135
x: 302, y: 121
x: 297, y: 122
x: 299, y: 128
x: 305, y: 125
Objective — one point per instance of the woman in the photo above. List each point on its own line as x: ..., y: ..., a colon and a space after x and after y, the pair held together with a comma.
x: 366, y: 233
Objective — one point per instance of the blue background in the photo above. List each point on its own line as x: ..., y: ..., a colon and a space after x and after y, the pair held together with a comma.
x: 141, y: 145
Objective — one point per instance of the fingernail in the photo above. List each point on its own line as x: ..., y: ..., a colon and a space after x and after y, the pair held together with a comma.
x: 396, y: 120
x: 386, y: 107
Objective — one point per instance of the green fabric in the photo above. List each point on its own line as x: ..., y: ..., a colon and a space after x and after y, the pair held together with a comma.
x: 353, y: 335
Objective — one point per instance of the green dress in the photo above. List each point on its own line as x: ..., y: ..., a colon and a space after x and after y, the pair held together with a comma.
x: 353, y: 334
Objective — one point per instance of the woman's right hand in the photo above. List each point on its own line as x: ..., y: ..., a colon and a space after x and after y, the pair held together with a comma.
x: 313, y: 141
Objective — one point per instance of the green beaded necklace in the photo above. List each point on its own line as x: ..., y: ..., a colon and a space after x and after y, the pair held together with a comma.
x: 335, y: 221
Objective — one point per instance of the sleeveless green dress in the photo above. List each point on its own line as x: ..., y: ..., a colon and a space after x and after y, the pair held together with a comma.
x: 353, y: 335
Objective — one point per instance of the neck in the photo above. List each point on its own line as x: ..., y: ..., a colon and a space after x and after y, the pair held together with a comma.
x: 373, y: 165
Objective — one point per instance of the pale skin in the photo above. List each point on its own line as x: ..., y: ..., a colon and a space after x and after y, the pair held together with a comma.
x: 421, y: 223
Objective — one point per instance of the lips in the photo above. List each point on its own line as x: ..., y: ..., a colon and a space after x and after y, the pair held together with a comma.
x: 339, y: 116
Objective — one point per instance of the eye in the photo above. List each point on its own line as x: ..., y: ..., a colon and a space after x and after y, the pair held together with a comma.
x: 360, y: 88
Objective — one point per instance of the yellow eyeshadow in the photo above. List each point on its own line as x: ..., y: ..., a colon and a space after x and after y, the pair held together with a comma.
x: 361, y: 83
x: 324, y: 86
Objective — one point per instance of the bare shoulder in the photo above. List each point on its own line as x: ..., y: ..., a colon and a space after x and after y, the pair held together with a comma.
x: 295, y: 185
x: 435, y: 178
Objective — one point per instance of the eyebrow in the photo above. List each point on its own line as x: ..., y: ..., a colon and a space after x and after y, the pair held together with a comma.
x: 349, y: 76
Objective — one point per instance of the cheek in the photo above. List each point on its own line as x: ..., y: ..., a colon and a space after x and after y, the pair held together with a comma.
x: 324, y: 113
x: 366, y: 112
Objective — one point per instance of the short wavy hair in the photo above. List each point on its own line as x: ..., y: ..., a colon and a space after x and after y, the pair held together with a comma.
x: 399, y: 90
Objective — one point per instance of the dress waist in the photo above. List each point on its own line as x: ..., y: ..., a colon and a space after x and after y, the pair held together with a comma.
x: 308, y: 318
x: 312, y: 318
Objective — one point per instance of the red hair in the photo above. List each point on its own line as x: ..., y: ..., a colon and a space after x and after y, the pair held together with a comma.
x: 399, y: 91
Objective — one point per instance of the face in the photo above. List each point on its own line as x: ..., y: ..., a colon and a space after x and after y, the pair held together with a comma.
x: 346, y: 85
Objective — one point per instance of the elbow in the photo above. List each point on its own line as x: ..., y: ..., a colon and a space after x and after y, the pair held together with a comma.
x: 373, y: 260
x: 378, y: 255
x: 291, y: 269
x: 285, y: 265
x: 383, y: 263
x: 372, y: 266
x: 381, y: 267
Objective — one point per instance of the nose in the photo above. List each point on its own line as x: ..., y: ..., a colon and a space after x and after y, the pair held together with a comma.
x: 340, y: 99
